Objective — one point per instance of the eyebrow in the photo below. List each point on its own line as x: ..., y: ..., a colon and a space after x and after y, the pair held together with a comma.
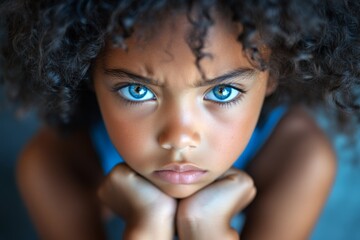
x: 242, y: 73
x: 122, y: 73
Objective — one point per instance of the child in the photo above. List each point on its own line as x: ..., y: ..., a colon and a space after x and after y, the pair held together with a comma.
x: 183, y: 89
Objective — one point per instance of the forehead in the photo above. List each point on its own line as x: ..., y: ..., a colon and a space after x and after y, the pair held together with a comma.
x: 170, y: 46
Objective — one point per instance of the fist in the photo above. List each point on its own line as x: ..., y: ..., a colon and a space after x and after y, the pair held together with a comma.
x: 207, y: 213
x: 128, y: 195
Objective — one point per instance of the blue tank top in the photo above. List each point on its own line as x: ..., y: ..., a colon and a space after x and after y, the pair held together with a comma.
x: 109, y: 157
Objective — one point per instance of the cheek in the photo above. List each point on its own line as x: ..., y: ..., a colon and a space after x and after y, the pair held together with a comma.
x: 126, y: 128
x: 129, y: 136
x: 229, y: 139
x: 231, y: 132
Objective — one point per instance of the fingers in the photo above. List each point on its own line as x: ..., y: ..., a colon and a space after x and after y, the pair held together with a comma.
x: 148, y: 212
x: 111, y: 190
x: 238, y: 185
x: 116, y: 175
x: 215, y: 205
x: 126, y: 193
x: 225, y: 197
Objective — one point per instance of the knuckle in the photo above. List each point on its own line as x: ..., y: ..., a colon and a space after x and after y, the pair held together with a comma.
x: 253, y: 193
x: 250, y: 186
x: 243, y: 177
x: 248, y: 181
x: 114, y: 175
x: 118, y: 173
x: 244, y: 180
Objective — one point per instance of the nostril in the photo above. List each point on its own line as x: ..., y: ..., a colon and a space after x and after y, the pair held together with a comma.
x: 180, y: 143
x: 178, y: 137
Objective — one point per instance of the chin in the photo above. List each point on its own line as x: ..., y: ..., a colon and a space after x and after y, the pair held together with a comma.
x: 180, y: 191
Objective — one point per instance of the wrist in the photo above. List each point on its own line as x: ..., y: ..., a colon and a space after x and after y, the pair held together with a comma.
x: 199, y: 229
x: 149, y: 227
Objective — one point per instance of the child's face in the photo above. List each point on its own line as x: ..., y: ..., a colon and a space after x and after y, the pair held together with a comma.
x: 176, y: 130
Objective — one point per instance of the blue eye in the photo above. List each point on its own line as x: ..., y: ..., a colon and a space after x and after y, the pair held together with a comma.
x: 222, y: 94
x: 136, y: 93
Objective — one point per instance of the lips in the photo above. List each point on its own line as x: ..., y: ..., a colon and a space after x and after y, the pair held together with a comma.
x: 180, y: 173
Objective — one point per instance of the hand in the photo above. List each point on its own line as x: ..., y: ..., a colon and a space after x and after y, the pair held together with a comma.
x: 207, y: 213
x: 147, y: 211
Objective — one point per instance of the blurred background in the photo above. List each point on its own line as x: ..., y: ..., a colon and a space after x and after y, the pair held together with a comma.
x: 339, y: 220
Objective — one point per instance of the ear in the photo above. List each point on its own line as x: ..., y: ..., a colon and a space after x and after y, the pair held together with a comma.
x: 272, y: 84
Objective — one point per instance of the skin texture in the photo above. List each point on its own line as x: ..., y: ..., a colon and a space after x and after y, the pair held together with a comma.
x: 293, y: 185
x: 293, y: 172
x: 199, y: 132
x: 196, y: 132
x: 54, y: 183
x: 59, y: 192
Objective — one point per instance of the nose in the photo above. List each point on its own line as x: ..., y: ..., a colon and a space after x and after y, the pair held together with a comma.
x: 178, y: 139
x: 180, y: 130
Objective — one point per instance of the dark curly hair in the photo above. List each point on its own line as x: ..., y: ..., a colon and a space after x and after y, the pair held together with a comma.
x: 49, y: 46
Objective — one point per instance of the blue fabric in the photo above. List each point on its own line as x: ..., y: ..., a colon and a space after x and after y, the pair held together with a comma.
x: 262, y: 132
x: 109, y: 157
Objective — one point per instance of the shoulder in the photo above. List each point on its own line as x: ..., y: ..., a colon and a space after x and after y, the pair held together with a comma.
x: 57, y: 178
x: 49, y: 156
x: 309, y: 146
x: 304, y: 140
x: 40, y: 152
x: 293, y: 174
x: 46, y: 143
x: 49, y: 145
x: 298, y: 140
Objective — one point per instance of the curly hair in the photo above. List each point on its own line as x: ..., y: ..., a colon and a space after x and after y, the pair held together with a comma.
x: 48, y: 47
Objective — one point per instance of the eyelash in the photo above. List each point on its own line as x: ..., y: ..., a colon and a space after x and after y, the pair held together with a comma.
x: 128, y: 102
x: 227, y: 104
x: 232, y: 102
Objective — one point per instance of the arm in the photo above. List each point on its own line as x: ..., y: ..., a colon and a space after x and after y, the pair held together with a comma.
x: 207, y: 213
x: 57, y: 179
x: 293, y: 173
x: 148, y: 212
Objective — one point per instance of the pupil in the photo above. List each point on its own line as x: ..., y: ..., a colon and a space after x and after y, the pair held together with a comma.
x: 137, y: 91
x: 222, y: 92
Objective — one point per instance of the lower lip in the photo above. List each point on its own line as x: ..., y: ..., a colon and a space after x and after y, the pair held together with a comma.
x: 187, y: 177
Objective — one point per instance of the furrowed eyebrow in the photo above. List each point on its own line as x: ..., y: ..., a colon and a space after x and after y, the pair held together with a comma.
x: 241, y: 73
x: 121, y: 73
